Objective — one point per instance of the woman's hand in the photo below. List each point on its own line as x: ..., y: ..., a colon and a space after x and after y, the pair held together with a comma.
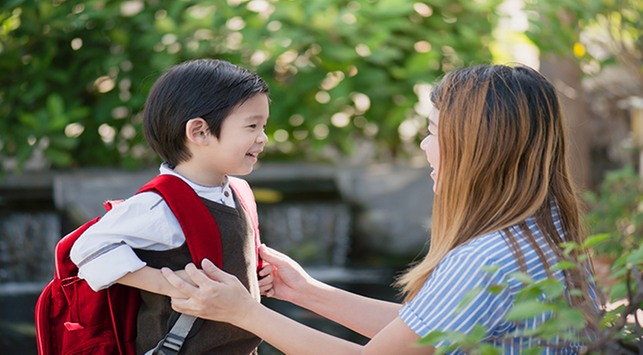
x: 217, y: 295
x: 289, y: 278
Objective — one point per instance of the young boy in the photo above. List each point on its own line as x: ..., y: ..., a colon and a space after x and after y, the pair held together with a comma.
x: 206, y: 119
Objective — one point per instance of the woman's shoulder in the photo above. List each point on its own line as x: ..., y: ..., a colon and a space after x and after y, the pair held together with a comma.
x: 489, y: 244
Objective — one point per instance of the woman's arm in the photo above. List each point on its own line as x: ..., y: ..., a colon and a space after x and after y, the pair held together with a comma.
x: 364, y: 315
x: 223, y: 298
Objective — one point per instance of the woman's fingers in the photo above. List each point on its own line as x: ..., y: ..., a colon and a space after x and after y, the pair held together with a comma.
x: 266, y: 270
x: 266, y: 284
x: 180, y: 284
x: 266, y: 280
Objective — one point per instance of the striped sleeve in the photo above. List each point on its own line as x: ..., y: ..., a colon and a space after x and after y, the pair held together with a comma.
x: 434, y: 307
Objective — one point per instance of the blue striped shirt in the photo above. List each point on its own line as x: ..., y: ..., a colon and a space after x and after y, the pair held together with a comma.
x: 433, y: 308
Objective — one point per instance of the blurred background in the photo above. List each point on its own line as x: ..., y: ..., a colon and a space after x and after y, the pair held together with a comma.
x: 342, y: 186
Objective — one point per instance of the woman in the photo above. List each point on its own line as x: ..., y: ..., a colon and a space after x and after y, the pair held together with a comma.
x: 504, y: 202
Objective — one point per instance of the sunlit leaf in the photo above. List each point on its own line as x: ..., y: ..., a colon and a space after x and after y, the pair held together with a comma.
x: 490, y: 269
x: 527, y: 309
x: 595, y: 239
x: 522, y: 277
x: 564, y: 265
x: 432, y: 338
x: 552, y: 288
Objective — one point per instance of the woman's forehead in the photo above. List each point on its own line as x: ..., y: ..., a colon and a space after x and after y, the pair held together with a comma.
x: 434, y: 116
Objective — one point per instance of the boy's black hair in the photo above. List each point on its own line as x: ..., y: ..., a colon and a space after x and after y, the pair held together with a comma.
x: 206, y: 88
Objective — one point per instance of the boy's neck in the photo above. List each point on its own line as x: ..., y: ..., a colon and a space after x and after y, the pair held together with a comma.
x: 199, y: 176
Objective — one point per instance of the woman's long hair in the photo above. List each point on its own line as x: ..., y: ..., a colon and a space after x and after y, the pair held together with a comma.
x: 502, y: 159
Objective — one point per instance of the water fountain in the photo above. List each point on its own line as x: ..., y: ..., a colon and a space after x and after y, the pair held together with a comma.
x: 29, y: 229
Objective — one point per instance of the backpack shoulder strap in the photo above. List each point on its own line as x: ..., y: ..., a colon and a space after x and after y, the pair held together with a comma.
x: 198, y: 225
x: 64, y: 266
x: 247, y: 199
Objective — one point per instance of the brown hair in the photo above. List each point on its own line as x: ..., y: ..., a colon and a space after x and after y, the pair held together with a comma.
x: 502, y: 158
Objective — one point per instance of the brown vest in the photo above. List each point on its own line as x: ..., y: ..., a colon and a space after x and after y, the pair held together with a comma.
x: 155, y: 316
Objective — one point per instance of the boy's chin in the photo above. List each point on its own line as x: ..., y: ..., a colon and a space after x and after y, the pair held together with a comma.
x: 243, y: 172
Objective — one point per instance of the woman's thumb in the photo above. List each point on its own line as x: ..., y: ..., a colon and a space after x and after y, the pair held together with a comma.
x: 270, y: 255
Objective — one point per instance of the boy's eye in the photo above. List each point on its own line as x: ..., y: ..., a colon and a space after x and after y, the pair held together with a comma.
x: 253, y: 126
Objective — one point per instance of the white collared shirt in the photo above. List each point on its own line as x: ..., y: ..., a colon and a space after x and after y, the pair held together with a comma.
x: 104, y: 252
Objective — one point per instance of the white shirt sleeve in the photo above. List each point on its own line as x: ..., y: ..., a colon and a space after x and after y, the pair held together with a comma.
x: 104, y: 252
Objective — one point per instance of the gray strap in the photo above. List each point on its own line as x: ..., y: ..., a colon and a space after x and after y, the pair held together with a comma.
x: 173, y: 341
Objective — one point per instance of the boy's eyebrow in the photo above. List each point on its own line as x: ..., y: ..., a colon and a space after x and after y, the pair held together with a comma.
x: 252, y: 117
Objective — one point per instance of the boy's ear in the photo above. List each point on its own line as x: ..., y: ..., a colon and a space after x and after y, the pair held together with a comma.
x: 196, y: 130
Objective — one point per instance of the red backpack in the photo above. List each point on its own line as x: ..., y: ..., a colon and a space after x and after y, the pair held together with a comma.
x: 71, y: 318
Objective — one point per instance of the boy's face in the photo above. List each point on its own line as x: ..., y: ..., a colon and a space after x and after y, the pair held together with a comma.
x: 241, y: 139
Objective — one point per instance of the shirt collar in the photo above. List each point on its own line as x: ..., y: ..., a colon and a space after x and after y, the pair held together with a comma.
x: 221, y: 194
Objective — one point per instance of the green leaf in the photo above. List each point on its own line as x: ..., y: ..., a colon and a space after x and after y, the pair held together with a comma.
x: 432, y: 338
x: 30, y: 120
x: 55, y: 105
x: 496, y: 289
x: 636, y: 257
x: 564, y: 265
x: 78, y: 113
x: 536, y: 350
x: 552, y: 288
x: 528, y: 309
x: 522, y: 277
x: 571, y: 318
x: 569, y: 247
x: 595, y: 239
x: 478, y: 333
x: 618, y: 291
x: 490, y: 269
x: 487, y: 349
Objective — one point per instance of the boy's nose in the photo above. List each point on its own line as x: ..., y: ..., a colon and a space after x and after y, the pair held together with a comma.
x: 262, y: 138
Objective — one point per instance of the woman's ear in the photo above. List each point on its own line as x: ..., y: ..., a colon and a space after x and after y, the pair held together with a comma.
x: 197, y: 130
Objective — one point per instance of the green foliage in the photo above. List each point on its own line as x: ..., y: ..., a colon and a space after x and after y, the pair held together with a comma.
x: 75, y: 74
x: 593, y: 31
x: 616, y: 213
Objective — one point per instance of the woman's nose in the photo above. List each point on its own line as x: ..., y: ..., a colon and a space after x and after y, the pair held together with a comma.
x: 424, y: 142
